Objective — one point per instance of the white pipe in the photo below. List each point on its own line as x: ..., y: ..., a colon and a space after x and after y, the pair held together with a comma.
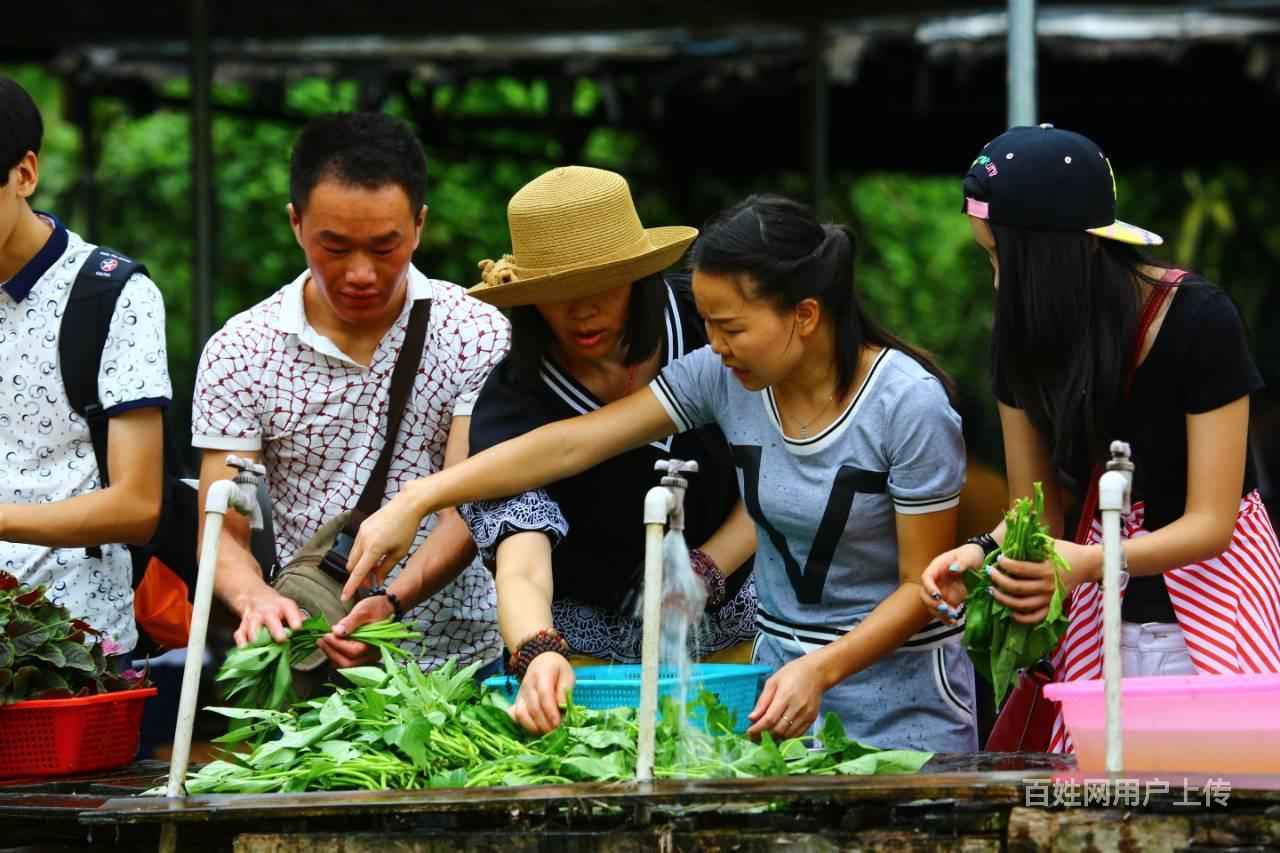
x: 658, y: 504
x: 1112, y: 495
x: 221, y: 495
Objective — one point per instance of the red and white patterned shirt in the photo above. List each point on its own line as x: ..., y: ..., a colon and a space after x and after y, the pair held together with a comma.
x: 269, y: 382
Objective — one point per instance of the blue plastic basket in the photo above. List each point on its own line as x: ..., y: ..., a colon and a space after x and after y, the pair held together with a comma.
x: 618, y: 686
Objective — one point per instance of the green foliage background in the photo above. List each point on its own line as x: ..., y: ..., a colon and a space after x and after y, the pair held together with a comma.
x: 918, y: 269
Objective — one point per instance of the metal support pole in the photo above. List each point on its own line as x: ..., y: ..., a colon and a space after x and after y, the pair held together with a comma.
x: 239, y: 494
x: 819, y: 121
x: 88, y: 160
x: 658, y: 503
x: 1113, y: 501
x: 202, y: 172
x: 1022, y: 63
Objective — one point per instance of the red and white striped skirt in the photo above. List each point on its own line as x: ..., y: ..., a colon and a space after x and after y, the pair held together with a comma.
x: 1228, y: 607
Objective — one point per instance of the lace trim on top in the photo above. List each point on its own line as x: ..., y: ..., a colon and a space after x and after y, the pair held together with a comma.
x: 595, y: 631
x: 494, y: 520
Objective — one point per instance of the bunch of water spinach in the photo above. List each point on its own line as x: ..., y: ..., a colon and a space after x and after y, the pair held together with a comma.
x: 259, y: 674
x: 998, y: 645
x: 396, y: 727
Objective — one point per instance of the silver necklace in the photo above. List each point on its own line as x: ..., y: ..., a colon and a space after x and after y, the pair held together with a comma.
x: 804, y: 427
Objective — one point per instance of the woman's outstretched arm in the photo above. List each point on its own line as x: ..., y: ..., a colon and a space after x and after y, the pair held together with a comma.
x: 549, y: 453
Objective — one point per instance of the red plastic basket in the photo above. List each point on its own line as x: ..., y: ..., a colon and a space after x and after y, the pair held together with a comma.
x: 59, y: 737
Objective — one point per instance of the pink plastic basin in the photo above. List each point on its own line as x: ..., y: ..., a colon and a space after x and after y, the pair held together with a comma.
x: 1203, y: 723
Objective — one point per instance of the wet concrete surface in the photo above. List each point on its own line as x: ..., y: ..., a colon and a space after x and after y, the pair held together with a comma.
x: 977, y: 801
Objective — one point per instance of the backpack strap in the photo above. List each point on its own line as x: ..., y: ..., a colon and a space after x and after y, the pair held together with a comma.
x: 83, y: 333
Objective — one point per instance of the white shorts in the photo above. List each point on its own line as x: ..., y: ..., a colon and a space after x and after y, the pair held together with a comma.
x: 1154, y: 648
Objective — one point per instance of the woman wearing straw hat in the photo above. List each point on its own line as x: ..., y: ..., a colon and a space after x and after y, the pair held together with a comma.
x: 593, y: 317
x: 849, y: 458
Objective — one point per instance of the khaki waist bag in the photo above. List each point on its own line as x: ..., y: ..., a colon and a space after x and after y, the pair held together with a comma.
x: 314, y: 578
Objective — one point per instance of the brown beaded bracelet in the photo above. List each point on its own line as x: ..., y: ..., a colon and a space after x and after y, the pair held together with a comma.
x: 705, y: 567
x: 391, y: 597
x: 546, y: 640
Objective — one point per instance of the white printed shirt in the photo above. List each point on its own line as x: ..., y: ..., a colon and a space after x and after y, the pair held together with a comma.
x: 47, y: 452
x: 269, y: 382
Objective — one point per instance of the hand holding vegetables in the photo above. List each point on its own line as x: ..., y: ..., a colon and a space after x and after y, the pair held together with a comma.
x: 1014, y: 613
x: 263, y: 607
x: 942, y: 586
x: 261, y: 672
x: 1026, y: 588
x: 338, y: 645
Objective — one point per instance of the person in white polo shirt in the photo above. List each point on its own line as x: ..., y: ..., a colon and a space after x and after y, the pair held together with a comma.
x: 59, y: 525
x: 301, y: 382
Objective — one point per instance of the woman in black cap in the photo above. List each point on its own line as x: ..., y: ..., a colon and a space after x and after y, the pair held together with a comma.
x: 1095, y: 342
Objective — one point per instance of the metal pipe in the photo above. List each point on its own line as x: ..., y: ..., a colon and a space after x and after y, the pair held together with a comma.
x: 240, y: 494
x: 216, y: 505
x: 1113, y: 501
x: 202, y: 171
x: 88, y: 161
x: 819, y: 120
x: 658, y: 505
x: 663, y: 508
x: 1021, y: 69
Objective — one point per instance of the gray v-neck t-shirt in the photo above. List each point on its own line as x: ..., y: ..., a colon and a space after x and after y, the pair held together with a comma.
x: 825, y: 506
x: 825, y: 510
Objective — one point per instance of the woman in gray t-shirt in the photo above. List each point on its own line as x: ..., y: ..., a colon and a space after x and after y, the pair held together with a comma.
x: 849, y: 458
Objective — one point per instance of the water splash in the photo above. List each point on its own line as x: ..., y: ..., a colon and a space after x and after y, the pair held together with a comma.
x: 684, y: 600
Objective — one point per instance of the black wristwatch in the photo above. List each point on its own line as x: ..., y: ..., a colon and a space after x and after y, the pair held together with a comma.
x: 985, y: 541
x: 392, y: 597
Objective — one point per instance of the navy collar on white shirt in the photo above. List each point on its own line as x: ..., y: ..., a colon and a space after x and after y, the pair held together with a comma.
x: 24, y: 279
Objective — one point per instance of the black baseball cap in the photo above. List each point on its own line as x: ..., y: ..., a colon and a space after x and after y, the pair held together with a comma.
x: 1048, y: 179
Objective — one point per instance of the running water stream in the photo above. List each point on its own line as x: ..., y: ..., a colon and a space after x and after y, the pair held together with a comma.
x: 684, y: 599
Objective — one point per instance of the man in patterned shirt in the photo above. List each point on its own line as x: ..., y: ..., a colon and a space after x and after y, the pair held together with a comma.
x: 58, y: 525
x: 301, y: 382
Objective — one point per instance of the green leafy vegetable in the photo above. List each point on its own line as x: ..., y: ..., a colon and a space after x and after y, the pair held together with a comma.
x: 397, y: 727
x: 260, y: 672
x: 998, y: 645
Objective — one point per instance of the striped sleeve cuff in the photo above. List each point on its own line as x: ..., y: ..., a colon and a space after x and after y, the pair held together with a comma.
x: 809, y: 638
x: 226, y: 442
x: 667, y: 399
x: 130, y: 405
x: 924, y: 506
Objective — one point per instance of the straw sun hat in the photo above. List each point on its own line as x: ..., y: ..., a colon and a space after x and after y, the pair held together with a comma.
x: 575, y: 232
